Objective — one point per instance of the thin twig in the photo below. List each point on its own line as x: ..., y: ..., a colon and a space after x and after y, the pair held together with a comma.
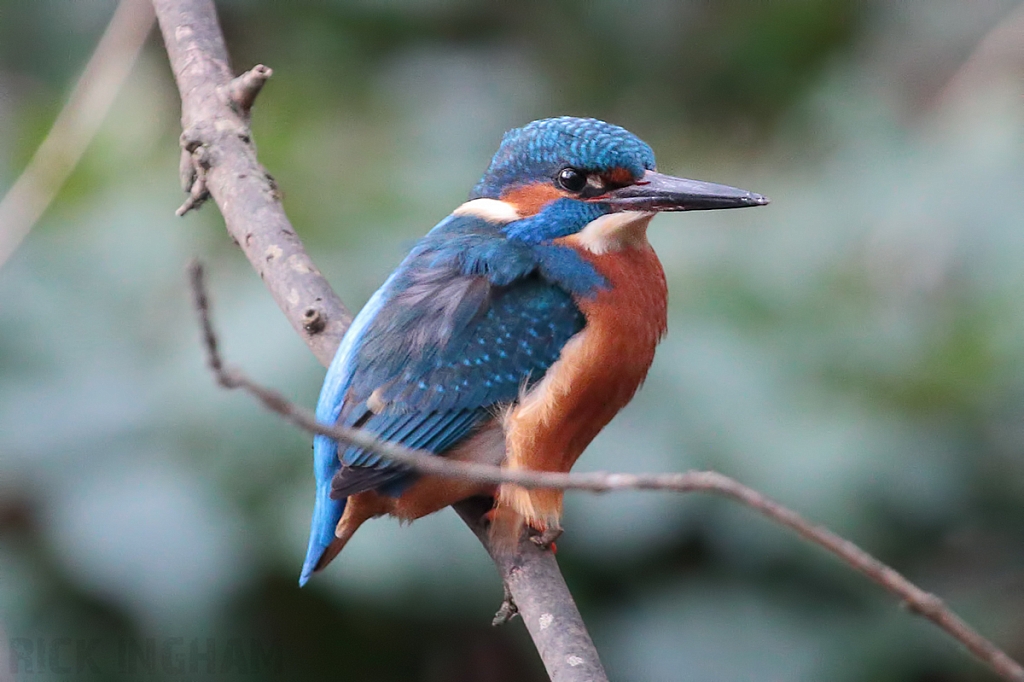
x: 76, y: 124
x: 999, y: 54
x: 7, y: 666
x: 917, y: 600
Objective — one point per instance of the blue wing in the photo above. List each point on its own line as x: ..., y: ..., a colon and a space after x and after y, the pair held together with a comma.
x: 466, y: 321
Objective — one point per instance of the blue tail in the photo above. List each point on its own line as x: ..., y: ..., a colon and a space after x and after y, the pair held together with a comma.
x: 326, y: 512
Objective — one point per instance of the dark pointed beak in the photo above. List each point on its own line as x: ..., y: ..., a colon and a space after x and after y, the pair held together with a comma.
x: 658, y: 192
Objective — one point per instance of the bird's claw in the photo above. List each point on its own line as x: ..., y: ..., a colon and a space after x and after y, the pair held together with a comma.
x: 546, y: 538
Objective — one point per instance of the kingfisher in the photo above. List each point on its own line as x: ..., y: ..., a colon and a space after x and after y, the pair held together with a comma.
x: 511, y: 334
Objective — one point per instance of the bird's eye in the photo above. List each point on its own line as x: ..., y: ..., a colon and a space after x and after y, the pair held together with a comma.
x: 571, y: 179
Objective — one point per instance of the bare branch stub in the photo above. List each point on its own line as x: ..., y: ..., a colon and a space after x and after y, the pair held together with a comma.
x: 313, y: 320
x: 508, y: 609
x: 241, y: 91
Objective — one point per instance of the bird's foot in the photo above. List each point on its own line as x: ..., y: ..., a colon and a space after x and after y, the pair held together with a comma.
x: 546, y: 538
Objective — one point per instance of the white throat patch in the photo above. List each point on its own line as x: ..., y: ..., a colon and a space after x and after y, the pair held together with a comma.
x: 614, y: 232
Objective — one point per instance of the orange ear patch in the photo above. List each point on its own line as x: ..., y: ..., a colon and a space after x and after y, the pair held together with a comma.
x: 619, y: 177
x: 531, y: 199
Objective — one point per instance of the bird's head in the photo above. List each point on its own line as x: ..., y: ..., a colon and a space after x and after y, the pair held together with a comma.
x: 554, y: 177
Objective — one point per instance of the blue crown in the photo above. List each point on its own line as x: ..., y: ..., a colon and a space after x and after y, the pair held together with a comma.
x: 540, y: 149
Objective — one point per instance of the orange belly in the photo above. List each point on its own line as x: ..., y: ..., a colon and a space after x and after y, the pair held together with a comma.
x: 427, y: 495
x: 597, y: 373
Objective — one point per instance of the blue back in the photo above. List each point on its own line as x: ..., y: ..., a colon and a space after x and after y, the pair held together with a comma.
x: 467, y: 320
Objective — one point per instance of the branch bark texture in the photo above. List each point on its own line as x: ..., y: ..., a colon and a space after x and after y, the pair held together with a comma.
x: 219, y: 160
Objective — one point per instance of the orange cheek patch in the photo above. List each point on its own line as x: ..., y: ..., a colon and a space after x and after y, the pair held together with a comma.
x: 618, y: 177
x: 530, y: 199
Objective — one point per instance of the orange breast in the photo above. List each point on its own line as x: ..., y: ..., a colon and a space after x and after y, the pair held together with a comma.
x: 624, y: 325
x: 597, y: 373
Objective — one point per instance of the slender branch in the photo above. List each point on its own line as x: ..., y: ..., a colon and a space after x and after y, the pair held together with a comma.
x: 917, y: 600
x: 6, y: 665
x: 219, y: 160
x: 999, y: 54
x: 76, y: 125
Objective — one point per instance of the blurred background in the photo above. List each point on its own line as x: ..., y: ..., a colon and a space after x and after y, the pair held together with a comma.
x: 855, y: 350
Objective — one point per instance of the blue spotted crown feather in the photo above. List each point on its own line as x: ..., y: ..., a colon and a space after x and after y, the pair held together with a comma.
x: 539, y: 149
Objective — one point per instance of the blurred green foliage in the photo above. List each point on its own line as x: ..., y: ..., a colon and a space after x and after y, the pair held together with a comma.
x: 855, y: 350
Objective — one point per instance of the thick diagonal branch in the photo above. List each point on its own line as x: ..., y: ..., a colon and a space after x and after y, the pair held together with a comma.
x: 219, y: 160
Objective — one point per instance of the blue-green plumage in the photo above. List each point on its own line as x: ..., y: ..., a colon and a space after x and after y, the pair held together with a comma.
x: 452, y: 387
x: 468, y: 320
x: 540, y: 149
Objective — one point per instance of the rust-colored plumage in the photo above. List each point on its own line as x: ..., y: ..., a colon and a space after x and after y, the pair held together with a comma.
x: 529, y: 199
x: 427, y: 495
x: 596, y: 376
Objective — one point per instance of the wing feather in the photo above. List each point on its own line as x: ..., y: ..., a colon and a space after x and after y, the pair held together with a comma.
x: 463, y: 325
